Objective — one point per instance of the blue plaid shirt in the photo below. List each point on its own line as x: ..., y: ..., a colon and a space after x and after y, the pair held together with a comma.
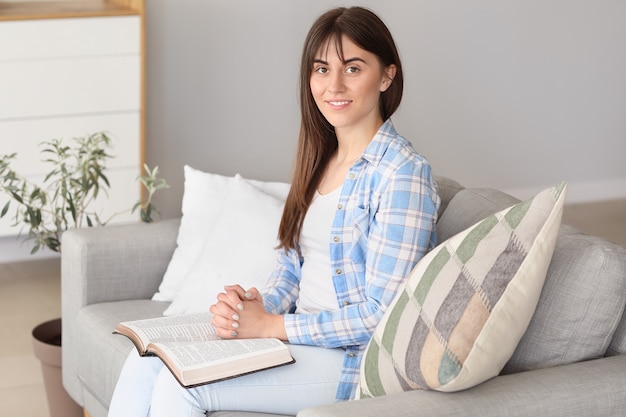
x: 384, y: 223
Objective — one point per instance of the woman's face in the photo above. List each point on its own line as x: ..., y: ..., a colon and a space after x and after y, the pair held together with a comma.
x: 347, y: 91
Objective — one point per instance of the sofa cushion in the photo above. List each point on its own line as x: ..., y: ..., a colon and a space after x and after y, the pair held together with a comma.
x: 102, y: 352
x: 618, y: 344
x: 580, y: 307
x: 469, y: 206
x: 466, y: 304
x: 586, y: 280
x: 447, y: 189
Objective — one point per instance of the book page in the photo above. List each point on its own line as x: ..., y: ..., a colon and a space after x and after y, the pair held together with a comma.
x: 193, y: 327
x: 191, y: 355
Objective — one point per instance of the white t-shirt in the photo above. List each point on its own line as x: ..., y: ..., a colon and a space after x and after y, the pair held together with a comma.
x: 317, y: 292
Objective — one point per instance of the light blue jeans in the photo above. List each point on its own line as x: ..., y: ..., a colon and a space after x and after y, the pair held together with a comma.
x: 147, y: 388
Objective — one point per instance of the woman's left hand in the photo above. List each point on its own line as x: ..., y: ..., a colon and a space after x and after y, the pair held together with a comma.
x: 241, y: 314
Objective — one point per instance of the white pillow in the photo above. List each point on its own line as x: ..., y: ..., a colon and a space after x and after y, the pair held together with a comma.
x: 229, y: 238
x: 203, y: 202
x: 277, y: 190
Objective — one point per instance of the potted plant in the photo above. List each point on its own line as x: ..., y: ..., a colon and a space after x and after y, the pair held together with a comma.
x: 77, y: 178
x: 63, y: 201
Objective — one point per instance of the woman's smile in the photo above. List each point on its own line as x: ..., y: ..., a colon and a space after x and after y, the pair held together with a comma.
x: 338, y: 104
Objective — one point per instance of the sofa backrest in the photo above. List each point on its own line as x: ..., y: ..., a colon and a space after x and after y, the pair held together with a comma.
x: 447, y: 190
x: 580, y: 314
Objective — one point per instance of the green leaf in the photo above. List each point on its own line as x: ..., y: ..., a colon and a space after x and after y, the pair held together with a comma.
x: 105, y: 179
x: 34, y: 217
x: 146, y: 214
x: 53, y: 243
x: 35, y: 194
x: 50, y: 175
x: 5, y: 209
x: 17, y: 197
x: 72, y: 208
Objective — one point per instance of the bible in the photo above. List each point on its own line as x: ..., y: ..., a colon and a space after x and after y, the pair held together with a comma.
x: 189, y: 346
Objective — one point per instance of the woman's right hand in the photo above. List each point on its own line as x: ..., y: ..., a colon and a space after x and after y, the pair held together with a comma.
x: 226, y: 311
x: 231, y: 321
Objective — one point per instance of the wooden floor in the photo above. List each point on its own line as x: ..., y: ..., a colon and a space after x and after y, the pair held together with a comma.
x: 30, y: 293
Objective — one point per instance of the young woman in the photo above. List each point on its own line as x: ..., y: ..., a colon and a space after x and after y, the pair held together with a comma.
x: 361, y: 212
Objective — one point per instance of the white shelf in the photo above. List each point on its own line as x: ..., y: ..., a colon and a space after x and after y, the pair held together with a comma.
x: 68, y: 69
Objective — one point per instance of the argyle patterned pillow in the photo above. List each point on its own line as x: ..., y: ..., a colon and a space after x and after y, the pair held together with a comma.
x: 466, y: 304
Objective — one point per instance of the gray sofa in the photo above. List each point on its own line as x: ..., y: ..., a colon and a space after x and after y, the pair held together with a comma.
x: 570, y: 362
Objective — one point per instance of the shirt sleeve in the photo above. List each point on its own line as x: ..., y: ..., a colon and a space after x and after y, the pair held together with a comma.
x: 283, y: 287
x: 399, y: 232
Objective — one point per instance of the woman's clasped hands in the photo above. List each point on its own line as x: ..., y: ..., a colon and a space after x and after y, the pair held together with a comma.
x: 240, y: 313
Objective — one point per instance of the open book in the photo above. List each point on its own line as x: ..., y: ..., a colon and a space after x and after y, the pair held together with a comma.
x: 190, y: 348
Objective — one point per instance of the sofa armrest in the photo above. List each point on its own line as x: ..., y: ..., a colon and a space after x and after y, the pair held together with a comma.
x: 112, y: 263
x: 593, y: 388
x: 115, y: 263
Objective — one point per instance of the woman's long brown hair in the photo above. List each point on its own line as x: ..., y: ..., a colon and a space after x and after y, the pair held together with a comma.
x: 317, y: 140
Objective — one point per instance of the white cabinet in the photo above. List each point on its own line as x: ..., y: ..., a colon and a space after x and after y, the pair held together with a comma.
x: 64, y: 77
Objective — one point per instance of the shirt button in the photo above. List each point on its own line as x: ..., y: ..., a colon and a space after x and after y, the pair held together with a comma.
x: 338, y: 271
x: 351, y: 354
x: 336, y: 239
x: 339, y: 206
x: 351, y: 176
x: 346, y: 303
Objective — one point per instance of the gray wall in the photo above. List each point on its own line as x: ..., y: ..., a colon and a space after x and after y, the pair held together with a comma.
x: 515, y: 94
